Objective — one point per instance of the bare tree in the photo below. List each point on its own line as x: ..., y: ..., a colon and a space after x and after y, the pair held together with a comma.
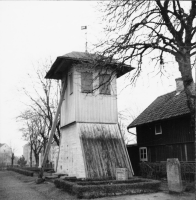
x: 12, y: 155
x: 13, y: 150
x: 33, y: 131
x: 44, y: 99
x: 154, y: 29
x: 125, y: 117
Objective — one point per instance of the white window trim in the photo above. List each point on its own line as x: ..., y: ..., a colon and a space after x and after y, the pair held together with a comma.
x: 143, y: 159
x: 158, y: 133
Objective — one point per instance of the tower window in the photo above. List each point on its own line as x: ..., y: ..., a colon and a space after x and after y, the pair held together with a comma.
x: 86, y: 82
x: 104, y: 84
x: 158, y: 129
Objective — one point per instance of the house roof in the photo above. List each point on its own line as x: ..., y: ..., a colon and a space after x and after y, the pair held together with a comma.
x: 63, y: 63
x: 164, y: 107
x: 1, y: 145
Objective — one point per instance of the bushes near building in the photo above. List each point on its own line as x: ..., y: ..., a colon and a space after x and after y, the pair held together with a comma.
x: 21, y: 171
x: 94, y: 189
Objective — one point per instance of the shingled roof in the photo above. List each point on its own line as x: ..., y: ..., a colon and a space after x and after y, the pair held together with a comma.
x: 164, y: 107
x: 63, y: 63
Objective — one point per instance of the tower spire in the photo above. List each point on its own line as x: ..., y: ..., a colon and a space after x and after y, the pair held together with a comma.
x: 85, y: 28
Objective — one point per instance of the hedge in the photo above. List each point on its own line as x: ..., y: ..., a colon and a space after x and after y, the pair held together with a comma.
x: 21, y: 171
x: 65, y: 185
x: 93, y: 189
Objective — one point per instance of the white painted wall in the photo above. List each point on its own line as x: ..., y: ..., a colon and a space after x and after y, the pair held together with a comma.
x: 70, y: 157
x: 26, y: 154
x: 5, y: 154
x: 83, y: 107
x: 53, y: 155
x: 97, y: 108
x: 68, y: 104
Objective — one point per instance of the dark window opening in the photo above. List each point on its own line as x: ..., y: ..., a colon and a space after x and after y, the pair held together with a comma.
x: 158, y: 129
x: 104, y: 84
x: 86, y: 82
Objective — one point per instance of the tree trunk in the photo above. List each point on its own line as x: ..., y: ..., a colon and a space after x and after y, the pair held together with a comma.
x: 184, y: 63
x: 37, y: 160
x: 12, y: 159
x: 36, y: 155
x: 31, y: 155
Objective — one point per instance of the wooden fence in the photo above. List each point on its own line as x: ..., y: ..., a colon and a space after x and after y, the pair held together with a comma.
x: 157, y: 170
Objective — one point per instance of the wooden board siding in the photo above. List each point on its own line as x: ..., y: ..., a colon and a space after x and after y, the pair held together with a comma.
x: 83, y: 107
x: 173, y: 131
x: 103, y: 150
x: 70, y: 158
x: 191, y: 151
x: 68, y: 104
x: 95, y: 107
x: 162, y: 152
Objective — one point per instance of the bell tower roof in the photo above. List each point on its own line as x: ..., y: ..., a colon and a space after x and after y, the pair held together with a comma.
x: 63, y: 64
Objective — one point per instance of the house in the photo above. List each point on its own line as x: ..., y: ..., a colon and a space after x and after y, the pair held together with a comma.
x: 52, y: 156
x: 26, y: 154
x: 163, y: 129
x: 5, y: 154
x: 91, y: 145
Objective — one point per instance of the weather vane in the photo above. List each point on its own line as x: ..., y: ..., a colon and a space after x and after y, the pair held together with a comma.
x: 85, y: 28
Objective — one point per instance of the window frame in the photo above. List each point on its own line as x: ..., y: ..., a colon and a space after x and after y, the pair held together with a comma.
x: 106, y: 83
x: 71, y: 83
x: 158, y: 133
x: 143, y: 158
x: 84, y: 90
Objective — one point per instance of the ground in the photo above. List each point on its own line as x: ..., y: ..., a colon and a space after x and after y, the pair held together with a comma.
x: 14, y: 186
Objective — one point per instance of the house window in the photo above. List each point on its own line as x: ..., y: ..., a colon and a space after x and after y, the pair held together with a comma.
x: 86, y: 82
x: 104, y: 84
x: 143, y: 154
x: 158, y: 129
x: 71, y: 83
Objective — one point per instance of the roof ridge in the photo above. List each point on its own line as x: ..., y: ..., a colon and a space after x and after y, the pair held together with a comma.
x: 163, y: 107
x: 166, y: 94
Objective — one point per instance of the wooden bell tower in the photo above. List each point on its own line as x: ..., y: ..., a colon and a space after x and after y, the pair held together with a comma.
x: 91, y: 145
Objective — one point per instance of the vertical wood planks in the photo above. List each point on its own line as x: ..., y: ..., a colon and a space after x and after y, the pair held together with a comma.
x: 103, y: 150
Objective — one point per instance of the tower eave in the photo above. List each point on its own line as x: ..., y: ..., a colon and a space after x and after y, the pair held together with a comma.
x: 63, y: 64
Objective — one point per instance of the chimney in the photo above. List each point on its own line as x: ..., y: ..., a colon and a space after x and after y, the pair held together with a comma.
x: 179, y: 85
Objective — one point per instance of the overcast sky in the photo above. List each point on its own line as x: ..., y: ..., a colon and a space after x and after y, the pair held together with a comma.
x: 31, y: 32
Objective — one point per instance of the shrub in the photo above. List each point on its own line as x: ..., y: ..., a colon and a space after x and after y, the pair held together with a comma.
x: 65, y: 185
x: 22, y: 162
x: 94, y: 189
x: 21, y: 171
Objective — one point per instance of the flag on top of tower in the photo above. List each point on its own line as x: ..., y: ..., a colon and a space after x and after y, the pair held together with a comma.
x: 83, y: 27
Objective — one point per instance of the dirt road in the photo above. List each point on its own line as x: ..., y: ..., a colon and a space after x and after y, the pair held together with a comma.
x: 11, y: 188
x: 14, y: 186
